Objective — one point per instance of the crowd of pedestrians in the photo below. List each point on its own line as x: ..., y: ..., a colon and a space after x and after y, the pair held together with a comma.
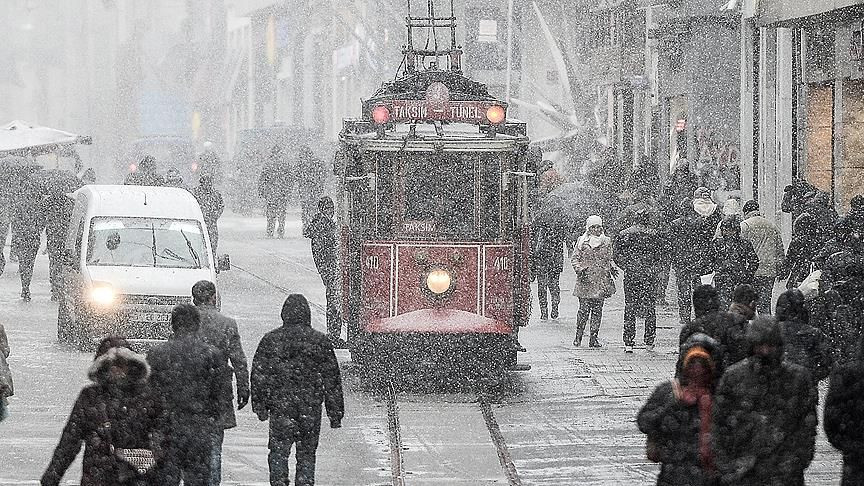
x: 160, y: 419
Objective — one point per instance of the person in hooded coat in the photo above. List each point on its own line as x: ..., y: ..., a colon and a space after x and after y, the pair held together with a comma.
x: 764, y: 415
x: 637, y: 251
x: 592, y: 261
x: 732, y: 259
x: 294, y: 371
x: 677, y: 418
x: 118, y: 410
x: 548, y: 259
x: 189, y: 374
x: 803, y: 250
x: 706, y: 306
x: 803, y: 344
x: 844, y: 418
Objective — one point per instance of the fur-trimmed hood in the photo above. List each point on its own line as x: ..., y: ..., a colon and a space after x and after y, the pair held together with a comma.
x: 139, y: 370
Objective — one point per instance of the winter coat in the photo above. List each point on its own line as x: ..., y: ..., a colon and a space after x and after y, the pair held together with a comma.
x: 636, y: 250
x: 731, y: 332
x: 807, y: 347
x: 707, y: 324
x: 7, y: 388
x: 322, y: 231
x: 145, y: 178
x: 802, y: 253
x: 189, y: 374
x: 294, y: 371
x: 221, y: 332
x: 673, y: 427
x: 645, y: 205
x: 275, y: 182
x: 765, y: 423
x: 592, y: 266
x: 211, y: 204
x: 679, y: 243
x: 839, y: 310
x: 127, y: 414
x: 844, y: 419
x: 701, y: 235
x: 733, y: 261
x: 766, y: 241
x: 548, y: 254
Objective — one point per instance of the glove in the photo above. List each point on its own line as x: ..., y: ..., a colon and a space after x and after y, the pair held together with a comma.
x: 263, y: 415
x: 242, y: 398
x: 335, y: 423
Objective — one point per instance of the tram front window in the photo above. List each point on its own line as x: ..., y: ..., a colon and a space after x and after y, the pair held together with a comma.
x: 438, y: 195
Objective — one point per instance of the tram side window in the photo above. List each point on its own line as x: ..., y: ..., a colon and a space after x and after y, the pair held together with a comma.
x: 386, y: 181
x: 490, y: 197
x: 438, y: 195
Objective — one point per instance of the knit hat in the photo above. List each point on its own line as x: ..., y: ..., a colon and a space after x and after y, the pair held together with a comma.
x: 750, y: 206
x: 593, y: 221
x: 697, y: 194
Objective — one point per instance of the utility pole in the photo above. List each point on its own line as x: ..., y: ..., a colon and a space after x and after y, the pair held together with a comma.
x: 509, y: 75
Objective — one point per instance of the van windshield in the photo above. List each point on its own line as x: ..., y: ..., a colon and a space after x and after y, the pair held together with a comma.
x: 147, y: 242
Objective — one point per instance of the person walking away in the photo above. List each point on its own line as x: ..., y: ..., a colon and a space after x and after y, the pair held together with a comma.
x: 312, y: 178
x: 7, y: 388
x: 706, y: 306
x: 801, y: 256
x: 678, y: 242
x: 549, y: 263
x: 844, y: 418
x: 764, y: 415
x: 189, y: 375
x: 636, y: 251
x: 174, y: 179
x: 119, y: 413
x: 221, y: 332
x: 212, y: 207
x: 145, y: 174
x: 57, y: 212
x: 732, y: 325
x: 322, y: 232
x: 7, y: 204
x: 294, y: 371
x: 768, y: 244
x: 803, y: 344
x: 274, y: 186
x: 839, y: 308
x: 592, y: 261
x: 30, y: 224
x: 677, y: 417
x: 732, y: 259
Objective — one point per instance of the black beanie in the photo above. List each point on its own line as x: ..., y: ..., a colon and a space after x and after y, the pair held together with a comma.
x: 750, y: 206
x: 295, y: 311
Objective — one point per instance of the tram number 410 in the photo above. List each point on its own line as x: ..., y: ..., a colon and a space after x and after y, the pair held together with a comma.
x: 502, y: 263
x: 373, y: 262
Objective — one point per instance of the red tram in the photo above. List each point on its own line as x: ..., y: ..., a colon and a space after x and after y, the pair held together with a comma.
x: 436, y: 182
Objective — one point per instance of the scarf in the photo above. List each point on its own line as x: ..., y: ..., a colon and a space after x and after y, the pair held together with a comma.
x: 699, y: 395
x: 593, y: 241
x: 704, y: 207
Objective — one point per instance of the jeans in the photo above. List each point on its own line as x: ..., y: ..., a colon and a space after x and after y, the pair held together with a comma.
x: 590, y: 310
x: 302, y: 433
x: 764, y: 286
x: 639, y: 301
x: 216, y: 456
x: 687, y: 283
x: 549, y: 282
x: 27, y: 252
x: 191, y: 456
x: 276, y: 211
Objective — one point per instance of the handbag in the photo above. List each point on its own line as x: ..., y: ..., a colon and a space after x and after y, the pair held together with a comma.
x: 608, y: 289
x: 139, y: 460
x: 810, y: 286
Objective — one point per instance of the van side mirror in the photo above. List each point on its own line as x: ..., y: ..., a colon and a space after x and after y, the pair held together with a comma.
x: 223, y: 263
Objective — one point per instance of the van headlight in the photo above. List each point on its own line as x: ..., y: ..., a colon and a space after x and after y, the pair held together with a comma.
x: 102, y: 295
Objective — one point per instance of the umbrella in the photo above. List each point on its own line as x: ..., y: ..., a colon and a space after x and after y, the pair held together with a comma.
x: 22, y: 138
x: 571, y: 203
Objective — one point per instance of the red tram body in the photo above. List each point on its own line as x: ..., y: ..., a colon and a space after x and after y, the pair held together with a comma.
x: 434, y: 219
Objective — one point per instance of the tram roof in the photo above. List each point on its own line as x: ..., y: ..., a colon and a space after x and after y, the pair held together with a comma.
x: 455, y: 137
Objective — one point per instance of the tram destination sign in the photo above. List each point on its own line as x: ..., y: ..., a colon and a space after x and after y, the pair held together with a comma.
x: 425, y: 110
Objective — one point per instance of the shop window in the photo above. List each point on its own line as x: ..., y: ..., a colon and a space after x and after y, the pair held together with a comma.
x: 818, y: 136
x: 849, y: 179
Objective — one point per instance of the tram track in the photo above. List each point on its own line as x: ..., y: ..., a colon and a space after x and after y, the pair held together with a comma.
x: 400, y: 472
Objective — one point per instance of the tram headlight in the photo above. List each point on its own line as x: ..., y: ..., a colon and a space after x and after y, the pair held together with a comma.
x: 381, y: 114
x: 496, y: 114
x: 438, y: 281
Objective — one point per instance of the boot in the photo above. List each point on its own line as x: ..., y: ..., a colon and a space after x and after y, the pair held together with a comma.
x: 543, y: 314
x: 593, y: 341
x: 580, y: 330
x: 554, y: 313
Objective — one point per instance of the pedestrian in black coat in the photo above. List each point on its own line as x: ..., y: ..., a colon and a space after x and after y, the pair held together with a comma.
x: 636, y: 250
x: 844, y: 419
x: 312, y: 176
x: 294, y: 371
x: 803, y: 250
x: 212, y: 206
x: 119, y: 410
x: 803, y: 344
x: 548, y: 259
x: 732, y: 259
x: 732, y: 325
x: 145, y: 174
x: 839, y: 309
x: 706, y: 306
x: 221, y: 332
x: 190, y: 376
x: 679, y: 242
x: 275, y: 185
x: 27, y: 227
x: 322, y: 231
x: 764, y: 415
x: 7, y: 387
x: 677, y: 417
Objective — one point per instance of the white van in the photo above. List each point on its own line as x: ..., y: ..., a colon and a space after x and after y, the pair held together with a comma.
x: 132, y: 253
